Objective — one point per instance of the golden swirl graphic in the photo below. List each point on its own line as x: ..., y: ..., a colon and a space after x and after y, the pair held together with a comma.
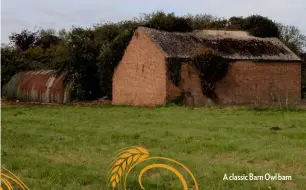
x: 9, y: 181
x: 177, y: 173
x: 132, y: 156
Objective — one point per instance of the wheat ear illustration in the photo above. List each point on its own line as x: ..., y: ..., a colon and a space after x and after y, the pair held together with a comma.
x: 8, y: 180
x: 132, y: 156
x: 127, y: 159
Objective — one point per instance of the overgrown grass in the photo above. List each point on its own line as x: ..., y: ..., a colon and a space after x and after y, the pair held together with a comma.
x: 71, y: 147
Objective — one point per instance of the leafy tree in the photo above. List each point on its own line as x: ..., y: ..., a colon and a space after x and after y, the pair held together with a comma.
x: 168, y: 22
x: 235, y: 22
x: 106, y: 32
x: 46, y: 39
x: 12, y: 62
x: 24, y: 40
x: 200, y: 21
x: 292, y: 37
x: 46, y: 32
x: 82, y: 66
x: 35, y: 57
x: 109, y: 58
x: 60, y: 56
x: 62, y: 34
x: 260, y: 26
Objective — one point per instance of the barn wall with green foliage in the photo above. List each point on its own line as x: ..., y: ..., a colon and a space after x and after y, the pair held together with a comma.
x: 90, y: 55
x: 303, y: 76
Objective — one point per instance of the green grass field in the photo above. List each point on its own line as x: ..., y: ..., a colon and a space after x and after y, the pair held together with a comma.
x: 71, y: 148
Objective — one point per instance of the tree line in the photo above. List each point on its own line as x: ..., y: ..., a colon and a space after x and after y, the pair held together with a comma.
x: 90, y: 55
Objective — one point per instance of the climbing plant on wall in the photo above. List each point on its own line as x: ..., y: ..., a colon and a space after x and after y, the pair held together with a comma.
x: 212, y: 68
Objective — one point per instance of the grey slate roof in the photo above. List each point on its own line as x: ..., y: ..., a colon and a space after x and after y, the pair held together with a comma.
x: 238, y: 45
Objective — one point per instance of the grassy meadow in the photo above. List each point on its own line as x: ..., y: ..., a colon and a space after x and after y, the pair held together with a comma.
x: 72, y: 147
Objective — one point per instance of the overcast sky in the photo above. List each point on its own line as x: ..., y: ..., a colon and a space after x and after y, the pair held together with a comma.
x: 28, y: 14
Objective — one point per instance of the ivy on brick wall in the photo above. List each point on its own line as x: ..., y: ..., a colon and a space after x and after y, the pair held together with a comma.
x: 174, y: 69
x: 212, y: 68
x: 303, y: 90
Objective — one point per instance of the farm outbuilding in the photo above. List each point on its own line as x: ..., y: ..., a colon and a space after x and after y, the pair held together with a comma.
x: 43, y: 86
x: 262, y: 70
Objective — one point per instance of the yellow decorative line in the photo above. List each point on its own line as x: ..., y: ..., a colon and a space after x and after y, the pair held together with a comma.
x: 9, y: 181
x: 132, y: 156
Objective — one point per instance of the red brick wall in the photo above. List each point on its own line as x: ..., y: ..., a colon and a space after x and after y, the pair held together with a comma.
x: 247, y: 82
x: 261, y: 82
x: 140, y: 78
x: 172, y: 90
x: 191, y: 83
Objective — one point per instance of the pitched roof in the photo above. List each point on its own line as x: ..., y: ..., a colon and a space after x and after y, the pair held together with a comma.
x: 238, y: 45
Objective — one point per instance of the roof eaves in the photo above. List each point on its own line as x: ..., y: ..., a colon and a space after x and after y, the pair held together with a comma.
x: 294, y: 56
x: 277, y: 60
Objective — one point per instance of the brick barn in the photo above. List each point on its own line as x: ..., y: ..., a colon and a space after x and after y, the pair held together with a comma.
x: 263, y: 70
